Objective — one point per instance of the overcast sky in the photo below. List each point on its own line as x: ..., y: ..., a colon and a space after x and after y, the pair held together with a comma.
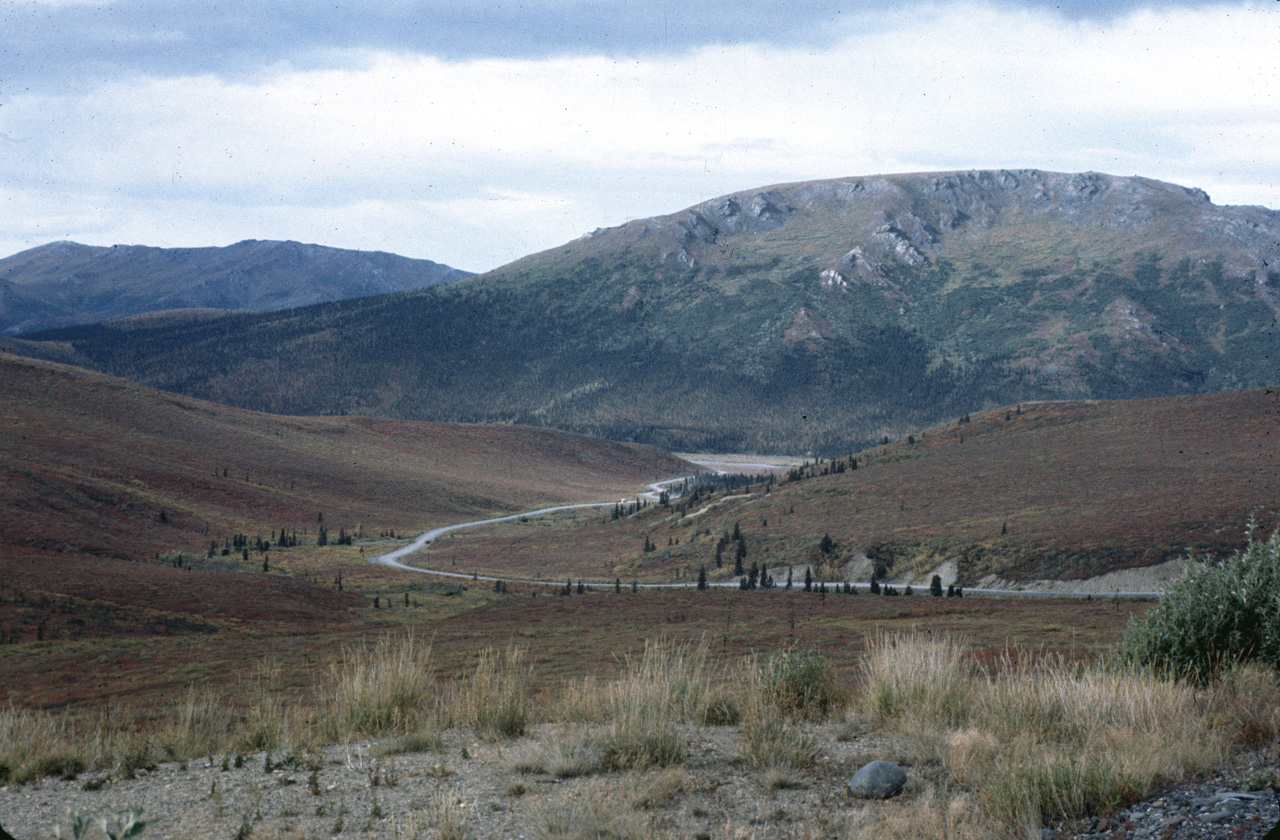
x: 475, y: 133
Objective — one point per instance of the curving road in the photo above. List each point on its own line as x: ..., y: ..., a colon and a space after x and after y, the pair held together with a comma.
x: 393, y: 558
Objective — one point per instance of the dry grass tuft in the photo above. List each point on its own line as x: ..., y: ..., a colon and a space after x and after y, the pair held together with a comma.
x: 969, y: 755
x: 660, y: 790
x: 495, y: 699
x: 35, y: 744
x: 447, y: 814
x: 925, y: 676
x: 670, y: 683
x: 1038, y: 740
x: 386, y: 687
x: 202, y: 725
x: 583, y: 700
x: 932, y: 814
x: 590, y: 814
x: 562, y: 752
x: 777, y: 743
x: 1246, y: 698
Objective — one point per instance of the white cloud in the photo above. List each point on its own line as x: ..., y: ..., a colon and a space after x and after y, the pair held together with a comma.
x: 499, y: 157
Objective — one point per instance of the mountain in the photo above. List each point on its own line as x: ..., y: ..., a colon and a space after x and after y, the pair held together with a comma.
x: 810, y: 317
x: 65, y: 283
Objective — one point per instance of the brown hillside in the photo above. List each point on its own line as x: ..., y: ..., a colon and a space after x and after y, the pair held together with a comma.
x: 1078, y: 487
x: 93, y: 465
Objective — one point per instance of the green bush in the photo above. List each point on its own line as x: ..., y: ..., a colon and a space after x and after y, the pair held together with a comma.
x: 1211, y: 618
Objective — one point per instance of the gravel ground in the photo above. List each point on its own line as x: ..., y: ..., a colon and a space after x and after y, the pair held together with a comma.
x: 355, y: 791
x: 468, y: 788
x: 1228, y: 804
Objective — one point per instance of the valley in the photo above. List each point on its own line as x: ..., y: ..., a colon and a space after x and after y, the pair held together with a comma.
x: 214, y: 523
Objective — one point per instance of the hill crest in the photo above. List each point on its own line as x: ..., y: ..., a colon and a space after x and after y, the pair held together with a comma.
x: 67, y: 283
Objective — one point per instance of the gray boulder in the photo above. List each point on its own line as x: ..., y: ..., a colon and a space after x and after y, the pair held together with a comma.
x: 878, y: 780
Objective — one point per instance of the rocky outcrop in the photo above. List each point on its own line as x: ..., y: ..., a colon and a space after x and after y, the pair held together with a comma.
x: 808, y: 328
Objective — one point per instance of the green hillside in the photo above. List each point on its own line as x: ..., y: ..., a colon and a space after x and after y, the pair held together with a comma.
x: 812, y: 317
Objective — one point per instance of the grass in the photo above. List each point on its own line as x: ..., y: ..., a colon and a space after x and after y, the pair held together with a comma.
x: 591, y: 817
x: 1041, y: 739
x: 1003, y: 744
x: 386, y: 687
x: 564, y: 752
x: 495, y: 699
x: 918, y: 675
x: 670, y: 683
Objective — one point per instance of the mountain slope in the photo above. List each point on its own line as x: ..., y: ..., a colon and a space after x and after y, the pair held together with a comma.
x: 1047, y: 490
x: 92, y: 465
x: 65, y: 283
x: 818, y: 317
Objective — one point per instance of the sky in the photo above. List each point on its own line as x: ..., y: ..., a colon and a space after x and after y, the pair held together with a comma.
x: 474, y: 133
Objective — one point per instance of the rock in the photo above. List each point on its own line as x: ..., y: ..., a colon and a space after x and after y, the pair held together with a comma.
x: 878, y: 780
x: 1215, y: 817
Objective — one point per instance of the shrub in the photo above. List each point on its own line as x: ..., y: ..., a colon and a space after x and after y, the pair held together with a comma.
x: 1211, y: 618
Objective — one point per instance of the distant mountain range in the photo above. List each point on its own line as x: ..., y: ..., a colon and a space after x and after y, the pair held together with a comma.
x: 66, y: 284
x: 811, y: 317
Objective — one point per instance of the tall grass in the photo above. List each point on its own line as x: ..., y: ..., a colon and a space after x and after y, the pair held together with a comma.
x: 926, y: 677
x: 671, y: 682
x: 35, y: 744
x: 495, y: 699
x: 387, y: 687
x: 202, y: 725
x: 1040, y: 740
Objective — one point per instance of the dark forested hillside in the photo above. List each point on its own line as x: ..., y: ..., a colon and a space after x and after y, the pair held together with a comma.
x: 65, y: 283
x: 808, y: 317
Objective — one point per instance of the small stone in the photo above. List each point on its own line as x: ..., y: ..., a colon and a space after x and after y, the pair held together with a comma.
x: 878, y: 780
x: 1215, y: 817
x: 1236, y: 797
